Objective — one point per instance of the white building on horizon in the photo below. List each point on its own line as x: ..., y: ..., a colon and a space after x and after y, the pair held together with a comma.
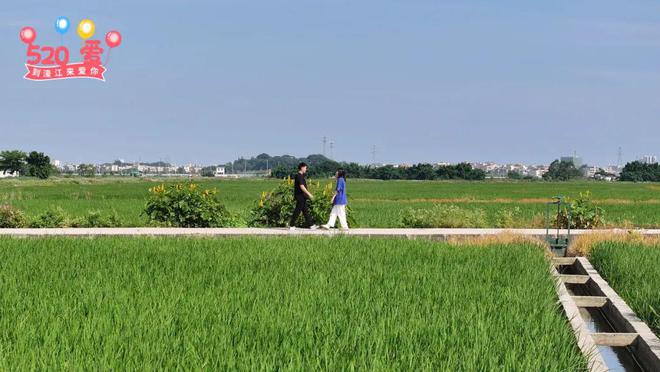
x: 649, y: 159
x: 5, y: 174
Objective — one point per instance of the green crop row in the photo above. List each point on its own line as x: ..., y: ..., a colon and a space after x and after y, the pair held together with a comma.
x: 278, y: 304
x: 633, y: 270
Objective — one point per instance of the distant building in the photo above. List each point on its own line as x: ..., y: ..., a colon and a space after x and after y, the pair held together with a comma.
x: 613, y: 169
x: 590, y: 172
x: 5, y: 174
x: 220, y: 171
x: 649, y: 159
x: 192, y: 169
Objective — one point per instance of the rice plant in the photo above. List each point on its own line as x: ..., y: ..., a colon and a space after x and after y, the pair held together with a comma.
x: 632, y: 269
x: 279, y: 304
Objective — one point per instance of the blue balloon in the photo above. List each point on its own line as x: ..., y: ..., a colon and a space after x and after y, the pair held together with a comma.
x: 62, y: 25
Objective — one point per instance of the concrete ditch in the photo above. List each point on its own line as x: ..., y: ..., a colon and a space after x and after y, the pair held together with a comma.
x: 608, y: 331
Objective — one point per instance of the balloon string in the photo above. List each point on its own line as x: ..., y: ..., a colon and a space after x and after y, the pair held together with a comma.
x: 107, y: 58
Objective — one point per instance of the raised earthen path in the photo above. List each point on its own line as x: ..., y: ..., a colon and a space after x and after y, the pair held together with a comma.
x: 440, y: 234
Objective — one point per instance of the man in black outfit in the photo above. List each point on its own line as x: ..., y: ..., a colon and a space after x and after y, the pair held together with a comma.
x: 301, y: 194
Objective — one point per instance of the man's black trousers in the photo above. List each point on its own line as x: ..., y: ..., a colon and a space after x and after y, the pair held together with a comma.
x: 301, y: 206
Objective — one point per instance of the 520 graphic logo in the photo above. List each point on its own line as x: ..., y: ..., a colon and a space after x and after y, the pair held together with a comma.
x: 52, y: 63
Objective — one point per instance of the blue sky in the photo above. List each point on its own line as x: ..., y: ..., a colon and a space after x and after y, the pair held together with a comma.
x: 209, y: 81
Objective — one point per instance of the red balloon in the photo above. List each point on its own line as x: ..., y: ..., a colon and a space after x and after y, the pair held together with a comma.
x: 28, y: 34
x: 113, y: 39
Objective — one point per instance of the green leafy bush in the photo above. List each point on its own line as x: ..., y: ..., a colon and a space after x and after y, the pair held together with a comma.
x: 51, y: 218
x: 186, y: 205
x: 583, y: 213
x: 443, y: 215
x: 11, y: 217
x: 274, y: 208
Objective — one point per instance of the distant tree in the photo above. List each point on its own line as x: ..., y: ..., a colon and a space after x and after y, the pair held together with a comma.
x: 38, y: 165
x: 321, y: 166
x: 12, y: 161
x: 387, y: 172
x: 208, y: 172
x: 637, y: 171
x: 420, y: 171
x: 514, y: 175
x: 461, y: 171
x: 86, y: 170
x: 281, y: 172
x: 354, y: 170
x: 561, y: 171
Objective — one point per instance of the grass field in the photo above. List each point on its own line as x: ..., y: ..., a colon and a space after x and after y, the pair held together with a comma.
x: 375, y: 203
x: 633, y: 270
x: 278, y: 304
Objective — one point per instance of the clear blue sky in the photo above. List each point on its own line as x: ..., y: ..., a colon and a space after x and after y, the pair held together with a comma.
x: 208, y: 81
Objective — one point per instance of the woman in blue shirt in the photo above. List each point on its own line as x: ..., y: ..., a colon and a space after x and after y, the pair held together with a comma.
x: 339, y: 202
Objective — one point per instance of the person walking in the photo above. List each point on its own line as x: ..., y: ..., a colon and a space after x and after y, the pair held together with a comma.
x: 339, y: 202
x: 301, y: 194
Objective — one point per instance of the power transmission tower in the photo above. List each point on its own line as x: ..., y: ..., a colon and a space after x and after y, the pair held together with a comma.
x: 373, y: 154
x: 332, y: 146
x: 325, y: 140
x: 619, y: 159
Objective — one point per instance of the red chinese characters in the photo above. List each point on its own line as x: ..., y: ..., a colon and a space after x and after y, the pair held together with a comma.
x: 73, y: 70
x: 92, y: 52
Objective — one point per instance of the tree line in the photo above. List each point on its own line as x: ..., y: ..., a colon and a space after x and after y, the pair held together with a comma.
x: 33, y: 164
x: 640, y: 172
x: 37, y: 164
x: 321, y: 166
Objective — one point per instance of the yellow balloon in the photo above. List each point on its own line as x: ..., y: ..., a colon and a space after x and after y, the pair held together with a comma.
x: 86, y: 29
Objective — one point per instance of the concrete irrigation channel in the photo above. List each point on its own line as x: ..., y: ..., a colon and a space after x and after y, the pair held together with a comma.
x: 608, y: 332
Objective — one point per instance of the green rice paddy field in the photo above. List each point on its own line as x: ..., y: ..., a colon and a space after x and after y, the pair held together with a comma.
x: 633, y: 270
x: 375, y: 203
x: 278, y: 304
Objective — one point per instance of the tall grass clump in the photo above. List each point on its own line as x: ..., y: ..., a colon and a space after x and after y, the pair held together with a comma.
x: 632, y: 269
x: 279, y: 304
x: 52, y: 217
x: 96, y: 218
x: 11, y: 217
x: 443, y: 216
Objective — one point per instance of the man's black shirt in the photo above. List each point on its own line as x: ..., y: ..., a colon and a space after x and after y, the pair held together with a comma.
x: 299, y: 181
